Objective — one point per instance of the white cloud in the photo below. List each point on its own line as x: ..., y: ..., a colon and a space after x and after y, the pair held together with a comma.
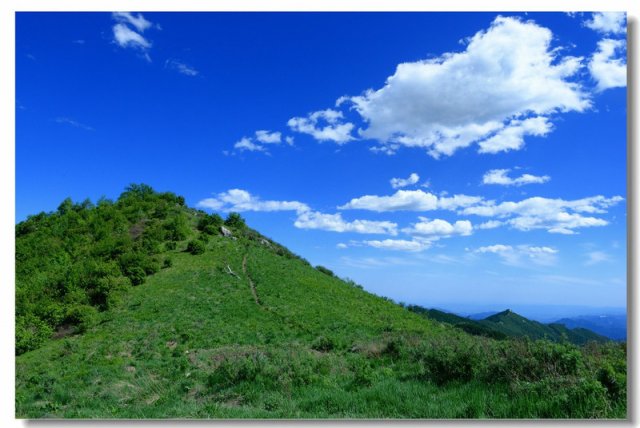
x: 261, y: 140
x: 335, y: 223
x: 607, y: 22
x: 342, y: 246
x: 410, y: 200
x: 499, y: 176
x: 521, y: 255
x: 245, y: 144
x: 397, y: 183
x: 241, y: 200
x: 512, y: 136
x: 607, y: 70
x: 595, y: 257
x: 508, y: 80
x: 398, y: 245
x: 491, y: 224
x: 138, y: 22
x: 74, y: 123
x: 554, y: 215
x: 498, y: 248
x: 289, y: 140
x: 333, y: 130
x: 127, y: 38
x: 439, y: 228
x: 181, y: 67
x: 268, y: 137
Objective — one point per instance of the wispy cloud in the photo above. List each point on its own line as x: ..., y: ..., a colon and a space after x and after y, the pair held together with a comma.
x: 74, y: 123
x: 181, y: 67
x: 597, y: 257
x: 127, y: 32
x: 521, y: 255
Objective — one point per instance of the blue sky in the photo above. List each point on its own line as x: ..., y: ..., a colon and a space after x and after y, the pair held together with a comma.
x: 445, y: 159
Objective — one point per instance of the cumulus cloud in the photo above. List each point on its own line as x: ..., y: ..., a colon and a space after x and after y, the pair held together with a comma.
x: 397, y: 183
x: 500, y: 89
x: 499, y: 176
x: 240, y: 200
x: 260, y: 141
x: 439, y: 228
x: 512, y: 136
x: 410, y: 200
x: 608, y: 66
x: 181, y: 67
x: 268, y: 137
x: 521, y: 255
x: 333, y: 129
x: 607, y: 22
x: 554, y: 215
x: 491, y: 224
x: 335, y: 223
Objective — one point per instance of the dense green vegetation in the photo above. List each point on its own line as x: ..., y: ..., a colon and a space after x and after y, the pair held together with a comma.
x: 120, y: 315
x: 508, y: 324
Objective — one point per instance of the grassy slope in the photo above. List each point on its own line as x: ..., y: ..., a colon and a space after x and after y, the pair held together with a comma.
x: 192, y: 342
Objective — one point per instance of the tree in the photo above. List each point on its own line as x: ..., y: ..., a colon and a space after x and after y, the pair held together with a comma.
x: 235, y: 220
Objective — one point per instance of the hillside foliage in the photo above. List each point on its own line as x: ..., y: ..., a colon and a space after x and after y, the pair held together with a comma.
x: 142, y: 308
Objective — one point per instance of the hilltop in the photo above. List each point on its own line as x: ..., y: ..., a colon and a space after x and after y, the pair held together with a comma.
x: 145, y: 308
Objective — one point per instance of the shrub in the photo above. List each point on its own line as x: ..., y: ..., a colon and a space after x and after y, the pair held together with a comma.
x: 196, y: 247
x: 136, y: 275
x: 455, y: 359
x: 82, y: 316
x: 170, y: 245
x: 324, y: 270
x: 31, y: 332
x: 322, y: 344
x: 167, y: 263
x: 235, y: 221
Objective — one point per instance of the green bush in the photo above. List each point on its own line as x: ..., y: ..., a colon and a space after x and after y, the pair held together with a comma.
x: 235, y: 221
x: 81, y: 316
x: 196, y: 247
x: 167, y: 263
x: 31, y: 332
x: 322, y: 344
x: 324, y: 270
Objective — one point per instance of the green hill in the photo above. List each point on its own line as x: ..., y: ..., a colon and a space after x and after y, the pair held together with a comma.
x: 145, y: 308
x: 508, y: 324
x: 514, y: 325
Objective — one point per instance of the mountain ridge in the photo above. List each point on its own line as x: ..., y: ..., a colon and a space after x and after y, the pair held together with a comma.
x: 169, y: 316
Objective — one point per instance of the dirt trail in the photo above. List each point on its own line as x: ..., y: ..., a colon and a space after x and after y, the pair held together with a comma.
x: 251, y: 285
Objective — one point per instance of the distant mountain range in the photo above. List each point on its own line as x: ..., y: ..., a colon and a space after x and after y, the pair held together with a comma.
x: 612, y: 326
x: 508, y: 324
